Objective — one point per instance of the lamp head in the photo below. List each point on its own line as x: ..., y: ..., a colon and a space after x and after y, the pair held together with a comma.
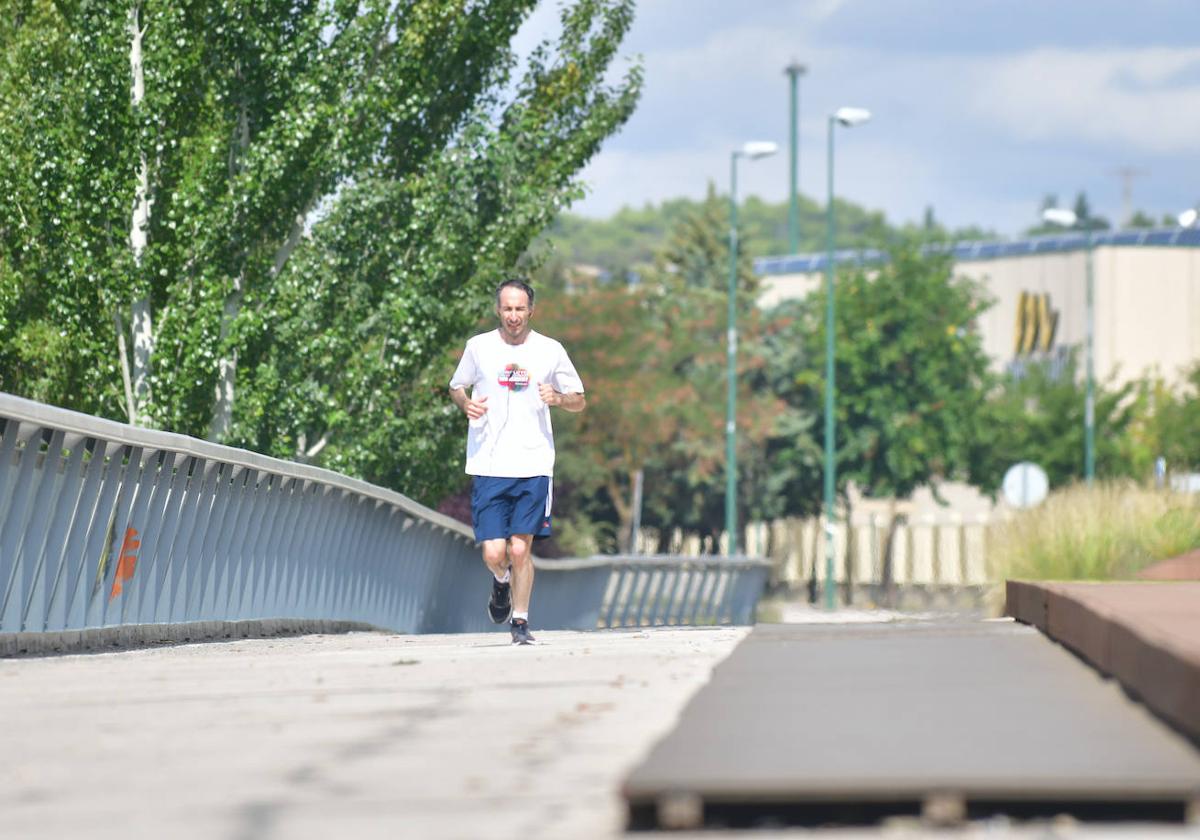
x: 759, y: 149
x: 1059, y: 216
x: 850, y: 117
x: 795, y: 69
x: 1189, y: 217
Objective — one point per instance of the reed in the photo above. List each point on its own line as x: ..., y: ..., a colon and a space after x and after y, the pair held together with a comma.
x: 1108, y: 531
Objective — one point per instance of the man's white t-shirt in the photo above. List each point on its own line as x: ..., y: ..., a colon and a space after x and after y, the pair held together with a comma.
x: 514, y: 438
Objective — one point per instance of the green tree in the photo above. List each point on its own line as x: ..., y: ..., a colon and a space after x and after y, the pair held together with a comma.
x: 1084, y: 219
x: 653, y: 357
x: 321, y: 194
x: 1141, y: 220
x: 1166, y: 425
x: 910, y: 373
x: 910, y: 370
x: 791, y: 484
x: 1038, y: 415
x: 631, y: 237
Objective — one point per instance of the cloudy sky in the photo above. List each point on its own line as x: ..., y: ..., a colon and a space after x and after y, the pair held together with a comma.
x: 980, y: 107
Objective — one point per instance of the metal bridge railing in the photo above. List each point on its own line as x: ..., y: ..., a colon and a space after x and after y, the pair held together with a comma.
x: 103, y: 524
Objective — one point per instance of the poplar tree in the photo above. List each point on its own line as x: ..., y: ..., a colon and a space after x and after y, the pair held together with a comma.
x: 262, y: 222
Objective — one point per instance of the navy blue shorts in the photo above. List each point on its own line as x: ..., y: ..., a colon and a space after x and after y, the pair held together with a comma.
x: 501, y: 507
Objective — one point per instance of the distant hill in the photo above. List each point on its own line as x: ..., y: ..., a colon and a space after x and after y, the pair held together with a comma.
x: 629, y: 238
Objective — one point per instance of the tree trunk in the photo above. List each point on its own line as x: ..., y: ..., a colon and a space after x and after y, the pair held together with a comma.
x: 848, y: 552
x: 663, y: 543
x: 222, y: 416
x: 143, y: 336
x: 624, y: 506
x: 223, y: 396
x: 887, y: 574
x: 123, y: 354
x: 814, y: 578
x: 635, y: 526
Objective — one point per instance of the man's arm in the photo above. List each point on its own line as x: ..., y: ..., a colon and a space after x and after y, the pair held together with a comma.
x: 472, y: 408
x: 570, y: 402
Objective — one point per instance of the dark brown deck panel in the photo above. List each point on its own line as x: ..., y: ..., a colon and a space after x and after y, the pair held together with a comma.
x: 1146, y: 635
x: 851, y: 723
x: 1183, y: 567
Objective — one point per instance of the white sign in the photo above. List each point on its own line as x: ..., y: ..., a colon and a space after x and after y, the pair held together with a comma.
x: 1025, y: 485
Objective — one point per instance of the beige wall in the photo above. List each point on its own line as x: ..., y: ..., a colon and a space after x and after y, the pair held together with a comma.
x: 1147, y: 304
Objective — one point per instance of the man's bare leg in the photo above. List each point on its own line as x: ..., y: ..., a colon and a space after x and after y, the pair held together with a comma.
x: 495, y: 555
x: 521, y: 555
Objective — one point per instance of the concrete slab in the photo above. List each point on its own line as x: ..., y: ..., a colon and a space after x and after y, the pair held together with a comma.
x: 947, y: 721
x: 361, y: 735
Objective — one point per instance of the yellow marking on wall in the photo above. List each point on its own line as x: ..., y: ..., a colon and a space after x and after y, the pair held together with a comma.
x: 1036, y: 324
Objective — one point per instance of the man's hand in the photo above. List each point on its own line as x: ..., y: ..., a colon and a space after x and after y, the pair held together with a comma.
x: 472, y: 408
x: 475, y: 408
x: 568, y: 402
x: 548, y: 394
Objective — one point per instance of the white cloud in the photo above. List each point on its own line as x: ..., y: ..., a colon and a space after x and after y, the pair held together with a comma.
x: 619, y: 178
x: 979, y: 131
x: 824, y: 9
x: 1125, y: 97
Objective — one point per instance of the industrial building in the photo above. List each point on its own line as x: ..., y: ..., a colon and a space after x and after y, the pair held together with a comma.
x: 1146, y: 286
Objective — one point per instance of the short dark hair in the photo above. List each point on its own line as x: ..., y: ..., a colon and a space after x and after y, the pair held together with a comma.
x: 515, y: 283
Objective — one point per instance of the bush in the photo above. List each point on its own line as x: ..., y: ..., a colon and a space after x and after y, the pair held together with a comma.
x: 1108, y: 531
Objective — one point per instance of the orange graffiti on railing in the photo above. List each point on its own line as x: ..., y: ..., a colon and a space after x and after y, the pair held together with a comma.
x: 126, y: 561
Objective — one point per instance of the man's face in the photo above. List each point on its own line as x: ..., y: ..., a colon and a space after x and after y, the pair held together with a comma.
x: 514, y: 311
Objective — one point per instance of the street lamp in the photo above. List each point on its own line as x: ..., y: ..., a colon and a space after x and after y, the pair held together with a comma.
x: 1067, y: 218
x: 794, y: 71
x: 848, y: 117
x: 752, y: 151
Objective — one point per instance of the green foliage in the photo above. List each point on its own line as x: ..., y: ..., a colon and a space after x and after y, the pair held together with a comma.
x: 1038, y: 416
x: 1085, y: 220
x: 334, y: 189
x: 1141, y: 220
x: 790, y: 472
x: 909, y: 371
x: 653, y: 358
x: 1166, y: 424
x: 1108, y: 531
x: 630, y: 239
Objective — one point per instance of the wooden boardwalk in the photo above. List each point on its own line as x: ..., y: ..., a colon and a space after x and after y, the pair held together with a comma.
x: 943, y: 721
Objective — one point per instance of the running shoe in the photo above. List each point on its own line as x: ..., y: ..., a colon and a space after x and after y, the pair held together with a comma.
x: 520, y: 632
x: 500, y: 604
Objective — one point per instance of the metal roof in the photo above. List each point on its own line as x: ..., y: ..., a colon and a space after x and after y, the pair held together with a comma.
x: 985, y: 250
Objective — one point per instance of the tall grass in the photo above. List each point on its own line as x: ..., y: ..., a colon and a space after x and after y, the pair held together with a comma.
x: 1108, y: 531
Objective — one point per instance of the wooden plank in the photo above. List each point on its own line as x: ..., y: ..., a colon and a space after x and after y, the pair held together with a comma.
x: 945, y: 721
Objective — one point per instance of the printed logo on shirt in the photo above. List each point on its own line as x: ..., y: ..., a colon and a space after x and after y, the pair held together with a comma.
x: 515, y: 377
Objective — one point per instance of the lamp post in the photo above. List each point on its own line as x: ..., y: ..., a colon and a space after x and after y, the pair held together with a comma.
x: 848, y: 117
x: 1067, y: 218
x: 794, y: 71
x: 752, y: 151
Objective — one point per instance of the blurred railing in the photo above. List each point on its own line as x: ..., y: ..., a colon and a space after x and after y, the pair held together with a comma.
x: 683, y: 590
x: 103, y: 525
x: 945, y: 550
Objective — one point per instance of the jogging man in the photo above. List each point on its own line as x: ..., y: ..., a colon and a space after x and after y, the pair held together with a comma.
x: 514, y: 375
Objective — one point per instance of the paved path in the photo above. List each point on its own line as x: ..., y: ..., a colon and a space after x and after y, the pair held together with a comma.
x: 363, y: 735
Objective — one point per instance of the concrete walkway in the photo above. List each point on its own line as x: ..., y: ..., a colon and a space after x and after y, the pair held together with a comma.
x: 363, y: 735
